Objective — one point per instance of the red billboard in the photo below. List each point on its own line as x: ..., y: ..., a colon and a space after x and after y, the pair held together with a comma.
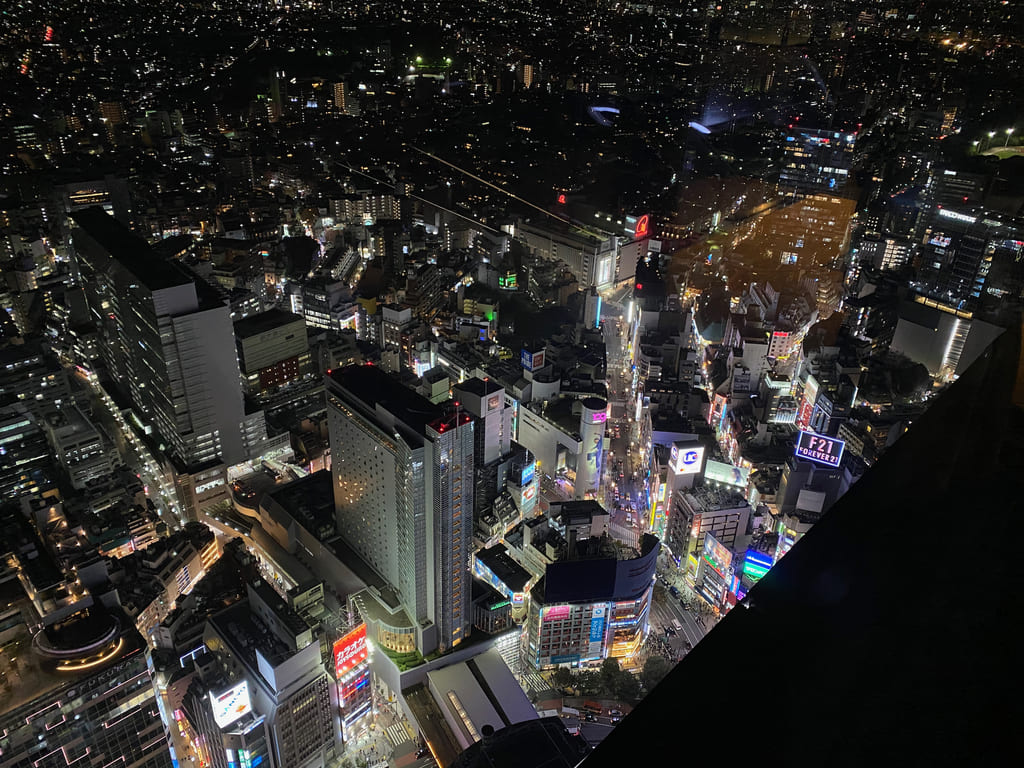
x: 350, y: 651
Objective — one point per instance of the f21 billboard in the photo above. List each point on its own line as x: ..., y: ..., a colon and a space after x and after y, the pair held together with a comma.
x: 820, y: 448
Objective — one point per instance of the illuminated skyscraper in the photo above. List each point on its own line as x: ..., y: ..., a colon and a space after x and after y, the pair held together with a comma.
x: 169, y: 344
x: 403, y: 488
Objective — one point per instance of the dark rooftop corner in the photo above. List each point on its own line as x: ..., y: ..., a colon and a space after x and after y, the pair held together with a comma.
x: 522, y: 745
x: 921, y: 674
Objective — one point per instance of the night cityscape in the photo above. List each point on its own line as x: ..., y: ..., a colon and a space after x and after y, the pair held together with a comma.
x: 510, y: 383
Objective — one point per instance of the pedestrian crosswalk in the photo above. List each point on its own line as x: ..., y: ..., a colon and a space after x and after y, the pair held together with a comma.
x: 397, y: 734
x: 626, y: 535
x: 535, y: 682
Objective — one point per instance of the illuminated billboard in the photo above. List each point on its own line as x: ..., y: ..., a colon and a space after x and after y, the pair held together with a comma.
x: 531, y: 361
x: 643, y: 227
x: 728, y: 474
x: 717, y: 555
x: 756, y: 564
x: 807, y: 401
x: 597, y: 624
x: 557, y: 612
x: 820, y: 448
x: 350, y: 651
x: 687, y: 460
x: 528, y: 473
x: 230, y: 705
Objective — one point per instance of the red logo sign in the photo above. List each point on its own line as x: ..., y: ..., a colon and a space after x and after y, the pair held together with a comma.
x: 350, y: 651
x: 643, y: 226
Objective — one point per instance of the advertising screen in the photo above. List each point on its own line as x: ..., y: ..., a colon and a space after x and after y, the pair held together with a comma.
x: 717, y: 555
x: 643, y: 227
x: 350, y: 651
x: 807, y: 401
x: 756, y: 564
x: 528, y: 473
x: 720, y: 472
x: 230, y: 705
x: 531, y: 361
x: 820, y: 449
x: 557, y: 612
x: 688, y: 459
x: 353, y: 688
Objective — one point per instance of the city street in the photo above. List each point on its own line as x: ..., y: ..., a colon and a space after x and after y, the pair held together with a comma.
x: 629, y: 511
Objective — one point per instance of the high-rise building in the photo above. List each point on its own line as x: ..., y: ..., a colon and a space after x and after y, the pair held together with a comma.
x: 955, y: 257
x: 169, y: 344
x: 273, y: 350
x: 82, y: 696
x: 271, y: 671
x: 591, y: 605
x: 816, y: 160
x: 403, y: 473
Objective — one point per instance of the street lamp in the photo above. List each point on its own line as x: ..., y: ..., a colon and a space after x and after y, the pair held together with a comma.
x: 991, y: 135
x: 1009, y: 132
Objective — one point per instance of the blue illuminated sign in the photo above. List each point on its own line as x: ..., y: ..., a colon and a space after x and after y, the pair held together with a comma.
x: 597, y: 629
x: 526, y: 359
x: 820, y: 448
x: 528, y: 473
x: 569, y: 658
x: 756, y: 564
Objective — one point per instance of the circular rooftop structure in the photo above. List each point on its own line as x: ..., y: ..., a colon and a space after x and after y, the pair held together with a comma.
x: 85, y: 640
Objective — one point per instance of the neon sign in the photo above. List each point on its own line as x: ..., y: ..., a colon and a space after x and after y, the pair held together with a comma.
x: 350, y: 651
x: 643, y: 226
x: 820, y: 449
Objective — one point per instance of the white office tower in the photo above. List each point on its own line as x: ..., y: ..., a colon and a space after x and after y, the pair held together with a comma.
x: 402, y: 469
x: 485, y: 400
x: 168, y: 343
x: 275, y: 674
x: 589, y: 464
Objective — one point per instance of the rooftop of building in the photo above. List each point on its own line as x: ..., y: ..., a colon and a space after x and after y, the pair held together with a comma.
x: 39, y: 680
x: 262, y: 322
x: 374, y: 388
x: 309, y: 500
x: 139, y: 258
x: 714, y: 498
x: 594, y: 572
x: 543, y: 743
x: 501, y: 564
x: 131, y: 250
x: 243, y: 631
x: 486, y: 689
x: 284, y: 613
x: 479, y: 387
